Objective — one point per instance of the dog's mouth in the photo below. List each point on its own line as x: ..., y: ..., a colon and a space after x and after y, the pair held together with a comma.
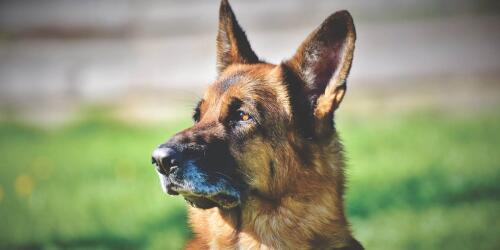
x: 212, y: 200
x: 200, y: 189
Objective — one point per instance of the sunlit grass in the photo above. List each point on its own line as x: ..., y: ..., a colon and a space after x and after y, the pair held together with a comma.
x: 90, y: 184
x: 469, y: 225
x: 421, y: 159
x: 416, y: 181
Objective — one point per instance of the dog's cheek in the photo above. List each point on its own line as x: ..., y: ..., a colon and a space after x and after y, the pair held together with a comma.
x: 253, y: 160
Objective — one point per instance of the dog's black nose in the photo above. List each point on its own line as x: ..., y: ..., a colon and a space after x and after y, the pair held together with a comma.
x: 165, y: 158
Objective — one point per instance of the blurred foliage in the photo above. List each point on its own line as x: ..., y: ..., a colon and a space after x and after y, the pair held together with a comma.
x: 416, y: 181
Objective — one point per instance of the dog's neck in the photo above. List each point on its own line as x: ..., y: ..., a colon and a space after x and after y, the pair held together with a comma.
x: 314, y: 218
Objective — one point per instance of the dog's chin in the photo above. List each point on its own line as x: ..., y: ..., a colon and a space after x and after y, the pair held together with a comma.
x: 202, y: 194
x: 203, y: 197
x: 200, y: 202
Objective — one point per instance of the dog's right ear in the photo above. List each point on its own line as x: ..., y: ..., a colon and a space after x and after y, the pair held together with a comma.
x: 232, y: 43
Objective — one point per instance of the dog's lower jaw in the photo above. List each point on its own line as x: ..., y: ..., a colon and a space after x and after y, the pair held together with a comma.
x: 206, y: 201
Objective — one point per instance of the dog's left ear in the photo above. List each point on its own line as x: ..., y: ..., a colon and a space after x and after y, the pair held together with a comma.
x: 323, y: 62
x: 232, y: 43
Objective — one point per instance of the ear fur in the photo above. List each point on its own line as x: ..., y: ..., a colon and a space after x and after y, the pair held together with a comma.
x: 232, y: 44
x: 323, y: 62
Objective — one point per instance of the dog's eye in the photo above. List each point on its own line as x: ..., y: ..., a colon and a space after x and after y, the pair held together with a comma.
x: 244, y: 116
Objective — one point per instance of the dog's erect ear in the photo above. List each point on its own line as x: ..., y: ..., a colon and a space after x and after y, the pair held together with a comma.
x: 232, y: 43
x: 323, y: 62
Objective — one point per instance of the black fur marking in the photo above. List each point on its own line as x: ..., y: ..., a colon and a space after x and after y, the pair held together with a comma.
x: 302, y: 110
x: 354, y: 245
x: 261, y: 119
x: 199, y: 140
x: 232, y: 115
x: 318, y: 242
x: 272, y: 170
x: 197, y: 112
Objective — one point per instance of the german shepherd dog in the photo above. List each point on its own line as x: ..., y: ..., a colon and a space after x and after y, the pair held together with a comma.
x: 263, y: 167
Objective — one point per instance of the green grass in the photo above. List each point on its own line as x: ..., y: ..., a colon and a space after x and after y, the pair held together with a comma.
x: 416, y: 181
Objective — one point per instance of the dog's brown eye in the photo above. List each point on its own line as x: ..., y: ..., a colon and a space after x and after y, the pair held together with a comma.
x: 244, y: 116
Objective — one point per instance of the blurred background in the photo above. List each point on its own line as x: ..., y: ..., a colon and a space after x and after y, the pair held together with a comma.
x: 89, y: 88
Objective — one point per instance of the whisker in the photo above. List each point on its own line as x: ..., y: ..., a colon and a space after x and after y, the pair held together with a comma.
x: 224, y: 175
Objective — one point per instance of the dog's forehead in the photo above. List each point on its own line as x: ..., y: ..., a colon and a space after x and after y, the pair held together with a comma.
x: 229, y: 80
x: 258, y: 85
x: 240, y: 80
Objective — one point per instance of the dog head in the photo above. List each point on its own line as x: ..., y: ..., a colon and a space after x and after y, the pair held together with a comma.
x: 257, y: 121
